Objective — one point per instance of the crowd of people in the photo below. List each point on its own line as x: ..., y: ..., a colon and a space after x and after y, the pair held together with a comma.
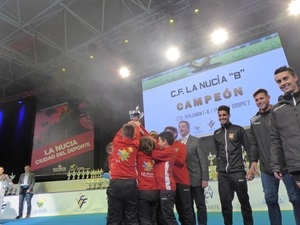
x: 153, y: 172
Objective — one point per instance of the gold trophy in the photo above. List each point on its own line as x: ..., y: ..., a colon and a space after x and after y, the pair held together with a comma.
x: 212, y: 168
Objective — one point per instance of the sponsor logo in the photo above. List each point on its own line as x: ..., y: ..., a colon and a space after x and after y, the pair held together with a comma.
x: 211, y: 124
x: 40, y: 203
x: 81, y: 200
x: 59, y: 168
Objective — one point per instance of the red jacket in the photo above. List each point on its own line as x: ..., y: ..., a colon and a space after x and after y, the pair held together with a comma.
x: 180, y: 171
x: 164, y: 159
x: 123, y: 157
x: 145, y: 169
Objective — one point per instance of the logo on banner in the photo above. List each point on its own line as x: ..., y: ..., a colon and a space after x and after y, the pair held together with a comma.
x: 211, y: 123
x: 40, y: 203
x: 197, y: 128
x: 208, y: 192
x: 59, y: 168
x: 81, y: 201
x: 3, y: 205
x: 209, y: 195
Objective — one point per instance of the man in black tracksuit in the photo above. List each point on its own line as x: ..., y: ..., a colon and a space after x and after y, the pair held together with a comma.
x: 230, y: 142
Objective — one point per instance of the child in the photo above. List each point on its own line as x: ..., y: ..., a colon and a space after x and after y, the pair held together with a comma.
x: 165, y: 158
x: 148, y: 193
x: 183, y: 197
x: 123, y: 192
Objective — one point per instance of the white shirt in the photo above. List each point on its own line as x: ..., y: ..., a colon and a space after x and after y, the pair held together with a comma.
x: 26, y: 178
x: 184, y: 139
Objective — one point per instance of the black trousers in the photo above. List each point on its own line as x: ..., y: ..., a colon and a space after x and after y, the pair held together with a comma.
x: 199, y: 198
x: 165, y: 210
x: 147, y: 206
x: 122, y: 199
x: 184, y: 205
x: 228, y: 183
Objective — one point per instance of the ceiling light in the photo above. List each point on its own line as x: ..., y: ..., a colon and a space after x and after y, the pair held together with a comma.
x: 219, y: 36
x: 294, y: 8
x: 172, y: 54
x: 124, y: 72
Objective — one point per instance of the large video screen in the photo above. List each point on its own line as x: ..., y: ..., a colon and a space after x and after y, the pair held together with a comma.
x: 193, y: 92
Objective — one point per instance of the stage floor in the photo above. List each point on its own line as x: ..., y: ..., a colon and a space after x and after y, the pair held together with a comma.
x: 214, y: 218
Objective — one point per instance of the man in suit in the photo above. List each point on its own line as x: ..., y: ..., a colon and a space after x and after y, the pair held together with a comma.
x: 197, y: 164
x: 26, y: 182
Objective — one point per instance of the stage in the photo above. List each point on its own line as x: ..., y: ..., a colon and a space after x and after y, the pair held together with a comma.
x: 70, y: 197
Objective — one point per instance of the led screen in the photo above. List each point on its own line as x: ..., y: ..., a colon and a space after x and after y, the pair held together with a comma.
x: 194, y: 91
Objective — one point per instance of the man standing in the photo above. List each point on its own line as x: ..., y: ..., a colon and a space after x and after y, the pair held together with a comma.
x: 230, y: 142
x: 197, y: 164
x: 26, y: 182
x: 261, y: 150
x: 285, y: 127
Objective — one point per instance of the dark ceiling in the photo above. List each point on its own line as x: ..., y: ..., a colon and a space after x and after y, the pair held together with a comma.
x: 40, y: 37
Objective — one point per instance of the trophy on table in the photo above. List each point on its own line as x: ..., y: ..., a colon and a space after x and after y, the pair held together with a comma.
x: 11, y: 189
x: 69, y: 174
x: 212, y: 168
x: 89, y: 185
x: 73, y: 175
x: 83, y: 174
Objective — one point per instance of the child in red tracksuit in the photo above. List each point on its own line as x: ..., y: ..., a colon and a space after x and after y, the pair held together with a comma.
x: 148, y: 193
x: 165, y: 158
x: 123, y: 192
x: 183, y: 197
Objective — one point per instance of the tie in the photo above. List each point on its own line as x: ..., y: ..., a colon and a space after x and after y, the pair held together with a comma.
x: 183, y: 140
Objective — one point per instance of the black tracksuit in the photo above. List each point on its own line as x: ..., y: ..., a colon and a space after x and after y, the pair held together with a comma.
x: 229, y: 142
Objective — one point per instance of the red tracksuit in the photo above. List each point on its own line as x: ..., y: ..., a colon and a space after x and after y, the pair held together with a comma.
x: 183, y: 198
x: 148, y: 193
x: 123, y: 192
x: 165, y: 159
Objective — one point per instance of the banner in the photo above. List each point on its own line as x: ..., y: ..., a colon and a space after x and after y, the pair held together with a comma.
x: 63, y: 139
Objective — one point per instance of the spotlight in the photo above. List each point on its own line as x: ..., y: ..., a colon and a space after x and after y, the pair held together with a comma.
x: 20, y: 102
x: 63, y: 69
x: 196, y: 11
x: 91, y: 57
x: 171, y: 21
x: 172, y: 54
x: 219, y: 36
x: 126, y: 41
x: 124, y: 72
x: 294, y: 8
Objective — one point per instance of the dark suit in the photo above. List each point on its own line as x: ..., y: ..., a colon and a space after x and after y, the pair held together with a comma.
x: 24, y: 193
x: 197, y: 164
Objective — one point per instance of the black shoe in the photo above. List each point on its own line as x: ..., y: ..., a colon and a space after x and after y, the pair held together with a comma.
x: 18, y: 217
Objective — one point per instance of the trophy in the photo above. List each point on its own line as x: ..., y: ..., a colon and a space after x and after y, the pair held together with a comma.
x: 69, y: 175
x: 88, y: 173
x: 83, y: 174
x: 98, y: 184
x: 93, y: 183
x: 73, y: 175
x: 12, y: 176
x: 211, y: 158
x: 101, y: 172
x: 136, y: 112
x: 212, y: 168
x: 89, y: 185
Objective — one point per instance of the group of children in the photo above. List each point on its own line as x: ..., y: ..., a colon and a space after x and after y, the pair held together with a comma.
x: 143, y: 183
